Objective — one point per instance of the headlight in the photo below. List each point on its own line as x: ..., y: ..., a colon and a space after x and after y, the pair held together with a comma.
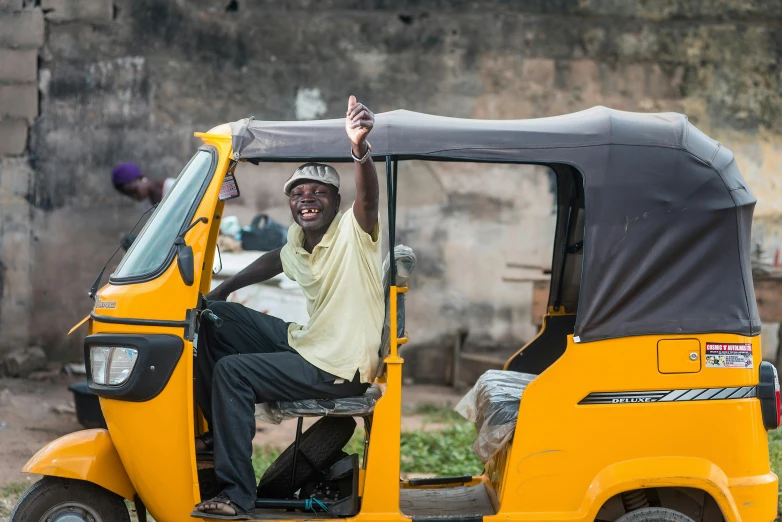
x: 112, y: 365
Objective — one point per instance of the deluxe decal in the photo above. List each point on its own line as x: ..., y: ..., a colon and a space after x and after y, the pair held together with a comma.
x: 696, y: 394
x: 99, y: 303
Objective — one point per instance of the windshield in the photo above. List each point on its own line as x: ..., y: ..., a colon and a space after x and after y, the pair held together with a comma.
x: 155, y: 242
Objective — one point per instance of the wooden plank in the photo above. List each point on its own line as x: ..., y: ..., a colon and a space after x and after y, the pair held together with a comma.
x: 526, y: 266
x: 525, y: 279
x: 485, y: 359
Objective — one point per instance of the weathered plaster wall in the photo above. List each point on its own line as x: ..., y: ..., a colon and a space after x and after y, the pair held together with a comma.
x: 131, y: 80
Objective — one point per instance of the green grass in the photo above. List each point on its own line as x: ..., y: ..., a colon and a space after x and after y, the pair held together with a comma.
x: 444, y: 452
x: 263, y: 456
x: 14, y: 489
x: 775, y: 456
x: 9, y: 493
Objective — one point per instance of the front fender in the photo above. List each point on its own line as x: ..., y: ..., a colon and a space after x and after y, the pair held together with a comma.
x: 84, y: 455
x: 661, y: 472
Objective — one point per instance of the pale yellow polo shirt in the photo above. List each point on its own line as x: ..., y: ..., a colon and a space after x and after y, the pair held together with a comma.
x: 343, y: 285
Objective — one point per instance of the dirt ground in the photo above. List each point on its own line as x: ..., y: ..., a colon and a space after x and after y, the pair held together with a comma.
x: 35, y: 413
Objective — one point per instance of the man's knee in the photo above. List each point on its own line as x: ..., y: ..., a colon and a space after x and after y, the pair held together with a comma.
x: 225, y: 369
x: 221, y: 308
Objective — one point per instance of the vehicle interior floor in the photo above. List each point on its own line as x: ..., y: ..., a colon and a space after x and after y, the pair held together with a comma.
x: 460, y: 500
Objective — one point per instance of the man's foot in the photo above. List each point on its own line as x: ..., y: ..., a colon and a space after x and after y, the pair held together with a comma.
x: 204, y: 442
x: 221, y: 508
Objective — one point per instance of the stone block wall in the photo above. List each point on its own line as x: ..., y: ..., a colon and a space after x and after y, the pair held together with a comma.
x: 132, y: 79
x: 21, y: 38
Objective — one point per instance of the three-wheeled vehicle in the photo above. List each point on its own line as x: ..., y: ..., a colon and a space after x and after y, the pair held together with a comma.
x: 650, y: 400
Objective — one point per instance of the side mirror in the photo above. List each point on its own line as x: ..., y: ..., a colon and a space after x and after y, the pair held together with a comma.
x: 217, y: 264
x: 184, y: 260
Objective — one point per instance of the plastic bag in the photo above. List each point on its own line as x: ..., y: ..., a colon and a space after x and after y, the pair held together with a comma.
x: 263, y: 234
x: 493, y: 405
x: 404, y: 259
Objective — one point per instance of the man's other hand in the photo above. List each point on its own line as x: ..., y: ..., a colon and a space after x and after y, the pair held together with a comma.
x: 358, y: 123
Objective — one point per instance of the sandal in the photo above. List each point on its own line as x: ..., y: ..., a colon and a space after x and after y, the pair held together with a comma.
x: 208, y: 441
x: 218, y: 512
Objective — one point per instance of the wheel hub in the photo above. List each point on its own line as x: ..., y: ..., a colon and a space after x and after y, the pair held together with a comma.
x: 71, y: 512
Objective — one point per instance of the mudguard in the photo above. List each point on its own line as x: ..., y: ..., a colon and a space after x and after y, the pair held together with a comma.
x: 665, y: 472
x: 84, y: 455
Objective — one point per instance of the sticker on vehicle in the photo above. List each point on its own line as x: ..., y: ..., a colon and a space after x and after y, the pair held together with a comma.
x: 230, y: 188
x: 728, y: 355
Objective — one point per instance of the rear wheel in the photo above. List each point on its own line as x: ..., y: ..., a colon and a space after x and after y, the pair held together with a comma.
x: 654, y: 514
x: 54, y: 499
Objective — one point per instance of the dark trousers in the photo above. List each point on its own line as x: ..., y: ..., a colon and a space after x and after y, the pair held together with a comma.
x: 245, y: 362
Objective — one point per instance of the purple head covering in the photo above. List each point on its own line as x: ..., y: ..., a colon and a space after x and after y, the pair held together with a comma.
x: 125, y: 173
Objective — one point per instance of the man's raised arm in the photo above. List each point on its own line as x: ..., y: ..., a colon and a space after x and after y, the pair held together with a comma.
x: 358, y: 123
x: 262, y: 269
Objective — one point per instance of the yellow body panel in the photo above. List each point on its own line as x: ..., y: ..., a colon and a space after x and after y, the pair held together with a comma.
x: 563, y: 463
x: 565, y: 457
x: 84, y: 455
x: 160, y: 462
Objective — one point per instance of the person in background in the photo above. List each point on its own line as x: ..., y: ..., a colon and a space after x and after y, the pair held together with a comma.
x: 130, y: 181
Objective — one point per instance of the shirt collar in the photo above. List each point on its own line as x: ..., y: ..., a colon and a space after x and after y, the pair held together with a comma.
x: 296, y: 235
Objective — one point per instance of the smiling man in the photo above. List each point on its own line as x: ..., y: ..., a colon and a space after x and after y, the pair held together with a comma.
x: 254, y: 358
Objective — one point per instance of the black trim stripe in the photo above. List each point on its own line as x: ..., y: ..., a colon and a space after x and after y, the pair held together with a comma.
x: 138, y: 322
x: 687, y: 395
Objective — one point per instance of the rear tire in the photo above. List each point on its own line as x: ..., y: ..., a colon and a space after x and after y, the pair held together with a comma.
x: 322, y: 443
x: 54, y: 498
x: 654, y: 514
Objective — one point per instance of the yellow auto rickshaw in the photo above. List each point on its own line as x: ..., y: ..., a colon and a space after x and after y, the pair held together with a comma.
x: 648, y: 401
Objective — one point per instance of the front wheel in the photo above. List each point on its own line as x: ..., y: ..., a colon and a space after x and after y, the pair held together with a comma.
x: 54, y: 499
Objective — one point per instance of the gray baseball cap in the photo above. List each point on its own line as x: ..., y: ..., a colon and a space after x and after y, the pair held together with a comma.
x: 314, y: 172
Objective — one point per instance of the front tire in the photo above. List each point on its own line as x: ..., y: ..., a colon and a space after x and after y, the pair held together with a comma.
x: 654, y: 514
x: 53, y: 499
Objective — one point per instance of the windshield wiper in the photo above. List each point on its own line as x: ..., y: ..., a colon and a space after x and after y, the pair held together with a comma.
x: 123, y: 243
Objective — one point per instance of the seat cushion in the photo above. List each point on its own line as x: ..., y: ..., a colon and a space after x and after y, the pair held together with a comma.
x: 360, y: 406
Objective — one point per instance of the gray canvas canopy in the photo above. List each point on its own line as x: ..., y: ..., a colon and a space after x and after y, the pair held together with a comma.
x: 654, y: 217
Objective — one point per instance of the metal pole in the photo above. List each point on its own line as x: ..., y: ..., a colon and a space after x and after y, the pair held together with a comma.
x: 391, y: 167
x: 296, y: 450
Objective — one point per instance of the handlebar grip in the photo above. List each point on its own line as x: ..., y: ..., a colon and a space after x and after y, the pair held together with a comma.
x: 215, y: 320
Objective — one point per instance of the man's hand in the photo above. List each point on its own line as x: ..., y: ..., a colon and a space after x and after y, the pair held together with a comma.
x: 216, y: 295
x: 358, y: 123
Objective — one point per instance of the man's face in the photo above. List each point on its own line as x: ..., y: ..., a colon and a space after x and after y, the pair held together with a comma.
x: 137, y: 189
x: 314, y: 205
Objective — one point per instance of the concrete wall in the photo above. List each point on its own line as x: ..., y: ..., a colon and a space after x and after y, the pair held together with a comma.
x: 131, y: 80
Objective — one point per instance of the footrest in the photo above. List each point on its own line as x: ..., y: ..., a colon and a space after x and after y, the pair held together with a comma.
x: 449, y: 518
x: 439, y: 481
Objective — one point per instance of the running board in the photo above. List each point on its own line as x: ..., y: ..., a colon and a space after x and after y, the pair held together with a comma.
x: 440, y: 481
x: 449, y: 518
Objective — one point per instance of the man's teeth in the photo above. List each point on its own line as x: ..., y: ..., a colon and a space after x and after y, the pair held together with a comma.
x: 310, y: 211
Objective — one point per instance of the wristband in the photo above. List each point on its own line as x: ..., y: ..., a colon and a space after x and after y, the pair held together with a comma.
x: 366, y: 155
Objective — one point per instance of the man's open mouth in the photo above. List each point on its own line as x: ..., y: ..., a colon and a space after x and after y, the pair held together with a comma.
x: 309, y: 213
